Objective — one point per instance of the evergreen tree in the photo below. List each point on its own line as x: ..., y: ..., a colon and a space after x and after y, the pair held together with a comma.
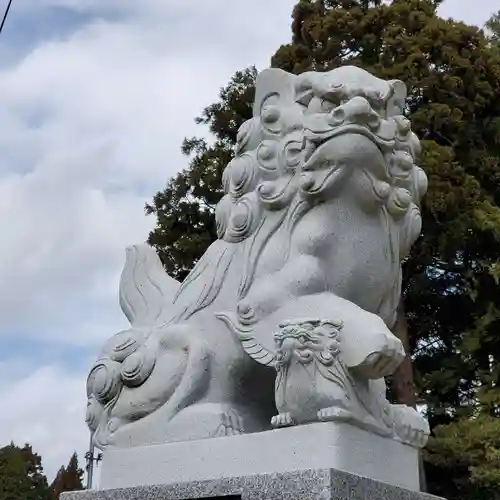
x: 21, y: 474
x: 68, y: 478
x: 493, y: 27
x: 464, y: 459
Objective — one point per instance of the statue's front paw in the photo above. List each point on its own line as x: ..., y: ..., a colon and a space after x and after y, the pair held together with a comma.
x: 333, y: 413
x: 282, y: 420
x: 380, y: 364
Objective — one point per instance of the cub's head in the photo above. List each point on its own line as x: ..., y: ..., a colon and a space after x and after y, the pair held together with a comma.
x: 303, y: 341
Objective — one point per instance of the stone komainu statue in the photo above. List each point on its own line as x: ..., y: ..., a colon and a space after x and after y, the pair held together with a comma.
x: 292, y: 307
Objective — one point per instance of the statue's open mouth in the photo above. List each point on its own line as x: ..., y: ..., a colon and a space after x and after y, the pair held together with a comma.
x: 316, y: 142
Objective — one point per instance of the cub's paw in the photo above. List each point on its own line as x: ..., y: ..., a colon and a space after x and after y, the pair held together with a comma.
x: 282, y: 420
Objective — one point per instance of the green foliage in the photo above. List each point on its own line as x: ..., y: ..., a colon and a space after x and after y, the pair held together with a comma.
x: 493, y: 27
x: 21, y: 474
x: 471, y: 449
x: 68, y: 478
x: 451, y: 280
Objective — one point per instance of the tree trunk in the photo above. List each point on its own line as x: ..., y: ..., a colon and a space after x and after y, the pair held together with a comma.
x: 403, y: 382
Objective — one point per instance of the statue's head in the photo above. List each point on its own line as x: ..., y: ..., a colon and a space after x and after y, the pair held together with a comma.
x: 318, y: 136
x: 304, y: 341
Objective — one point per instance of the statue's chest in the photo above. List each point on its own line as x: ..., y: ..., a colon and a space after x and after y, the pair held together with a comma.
x: 356, y: 251
x: 362, y: 266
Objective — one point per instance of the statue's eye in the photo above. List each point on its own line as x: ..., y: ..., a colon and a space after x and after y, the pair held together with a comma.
x: 302, y: 339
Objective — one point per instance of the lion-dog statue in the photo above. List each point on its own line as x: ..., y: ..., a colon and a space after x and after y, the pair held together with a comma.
x: 287, y: 317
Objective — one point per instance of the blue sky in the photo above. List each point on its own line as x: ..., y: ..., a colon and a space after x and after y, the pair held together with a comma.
x: 27, y: 27
x: 96, y: 98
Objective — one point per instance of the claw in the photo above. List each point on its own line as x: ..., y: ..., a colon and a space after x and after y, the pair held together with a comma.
x: 231, y: 424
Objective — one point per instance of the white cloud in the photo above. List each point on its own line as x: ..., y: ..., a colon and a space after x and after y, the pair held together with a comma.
x: 45, y: 409
x: 91, y: 128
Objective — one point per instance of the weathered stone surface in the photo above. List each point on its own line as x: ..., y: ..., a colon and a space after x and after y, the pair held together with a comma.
x: 321, y: 484
x: 325, y: 445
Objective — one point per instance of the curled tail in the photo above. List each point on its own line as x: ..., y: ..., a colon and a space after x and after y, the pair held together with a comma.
x: 146, y: 290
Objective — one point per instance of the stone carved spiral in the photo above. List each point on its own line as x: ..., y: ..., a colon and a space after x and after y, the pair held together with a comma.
x: 270, y: 115
x: 403, y: 127
x: 267, y: 158
x: 293, y: 153
x: 382, y: 190
x: 242, y: 176
x: 275, y: 195
x: 123, y: 344
x: 238, y: 212
x: 399, y: 202
x: 400, y: 167
x: 248, y: 136
x: 103, y: 381
x: 246, y: 313
x: 137, y: 367
x: 403, y: 162
x: 222, y: 214
x: 244, y: 219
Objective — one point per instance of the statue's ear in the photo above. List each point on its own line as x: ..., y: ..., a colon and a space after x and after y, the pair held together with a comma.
x: 273, y: 85
x: 146, y: 290
x: 397, y: 101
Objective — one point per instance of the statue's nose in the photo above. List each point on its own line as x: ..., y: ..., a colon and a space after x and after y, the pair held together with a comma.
x: 356, y: 110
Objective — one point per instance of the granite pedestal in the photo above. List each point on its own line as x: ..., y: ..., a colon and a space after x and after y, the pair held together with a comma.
x: 325, y: 445
x: 317, y: 484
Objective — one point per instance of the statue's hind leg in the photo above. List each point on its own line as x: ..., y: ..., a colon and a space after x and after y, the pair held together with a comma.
x: 203, y: 385
x: 239, y: 399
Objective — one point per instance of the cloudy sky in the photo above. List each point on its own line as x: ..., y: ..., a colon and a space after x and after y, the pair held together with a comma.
x: 96, y: 96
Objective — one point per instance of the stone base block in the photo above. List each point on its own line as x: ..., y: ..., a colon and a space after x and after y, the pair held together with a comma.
x: 321, y: 484
x: 325, y: 445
